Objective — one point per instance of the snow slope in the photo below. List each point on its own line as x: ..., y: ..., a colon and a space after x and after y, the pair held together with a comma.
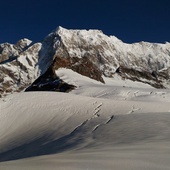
x: 117, y: 125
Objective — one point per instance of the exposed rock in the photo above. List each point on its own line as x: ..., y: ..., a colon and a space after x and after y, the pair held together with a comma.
x: 50, y: 82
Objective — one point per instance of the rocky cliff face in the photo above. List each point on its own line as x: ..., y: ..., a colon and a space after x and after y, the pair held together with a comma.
x: 90, y: 53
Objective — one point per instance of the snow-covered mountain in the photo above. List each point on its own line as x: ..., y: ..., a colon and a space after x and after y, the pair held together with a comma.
x: 112, y: 118
x: 33, y: 66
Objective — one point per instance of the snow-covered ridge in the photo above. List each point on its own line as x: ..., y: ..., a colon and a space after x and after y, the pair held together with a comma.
x: 88, y: 52
x: 21, y: 64
x: 150, y: 60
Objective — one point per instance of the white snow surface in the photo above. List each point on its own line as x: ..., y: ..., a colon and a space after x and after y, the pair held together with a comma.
x: 117, y: 125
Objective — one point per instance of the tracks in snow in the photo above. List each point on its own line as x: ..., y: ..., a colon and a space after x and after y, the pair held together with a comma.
x: 97, y: 110
x: 92, y: 122
x: 109, y: 119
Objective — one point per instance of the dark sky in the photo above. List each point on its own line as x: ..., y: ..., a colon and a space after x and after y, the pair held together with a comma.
x: 129, y: 20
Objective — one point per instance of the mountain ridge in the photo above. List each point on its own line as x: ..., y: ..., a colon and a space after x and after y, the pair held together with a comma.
x: 87, y: 52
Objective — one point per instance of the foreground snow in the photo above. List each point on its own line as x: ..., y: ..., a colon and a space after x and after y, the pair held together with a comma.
x: 117, y: 125
x: 137, y: 157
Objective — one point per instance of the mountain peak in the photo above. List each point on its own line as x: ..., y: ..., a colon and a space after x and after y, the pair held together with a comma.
x: 23, y: 44
x: 61, y: 31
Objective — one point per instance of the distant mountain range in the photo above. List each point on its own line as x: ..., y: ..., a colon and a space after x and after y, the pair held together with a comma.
x: 32, y: 66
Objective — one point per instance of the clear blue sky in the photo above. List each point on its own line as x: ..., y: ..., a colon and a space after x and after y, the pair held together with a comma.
x: 129, y: 20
